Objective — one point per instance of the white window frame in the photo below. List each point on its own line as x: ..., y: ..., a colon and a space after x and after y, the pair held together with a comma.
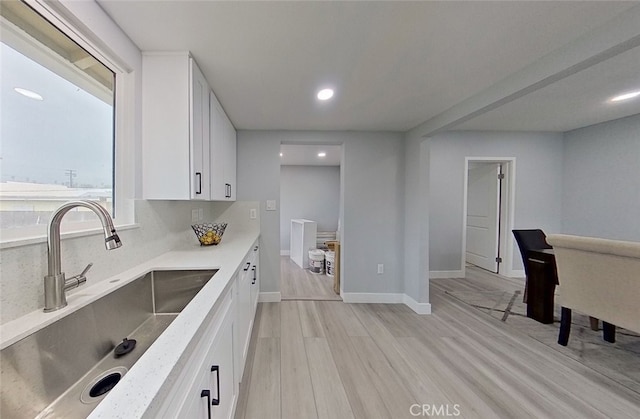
x: 124, y: 131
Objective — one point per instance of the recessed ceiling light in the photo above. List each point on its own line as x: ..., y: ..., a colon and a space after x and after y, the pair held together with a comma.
x: 325, y: 94
x: 322, y: 154
x: 28, y: 93
x: 281, y: 154
x: 625, y: 96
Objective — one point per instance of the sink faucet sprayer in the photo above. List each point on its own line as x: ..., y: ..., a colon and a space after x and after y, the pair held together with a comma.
x: 55, y: 285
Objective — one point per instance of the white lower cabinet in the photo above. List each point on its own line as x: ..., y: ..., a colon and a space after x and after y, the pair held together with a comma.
x: 244, y: 313
x: 213, y: 395
x: 214, y: 391
x: 209, y: 380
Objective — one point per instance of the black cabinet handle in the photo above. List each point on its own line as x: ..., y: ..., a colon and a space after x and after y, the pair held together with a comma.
x: 254, y: 274
x: 227, y: 190
x: 216, y: 369
x: 246, y: 268
x: 207, y: 394
x: 255, y: 248
x: 199, y: 176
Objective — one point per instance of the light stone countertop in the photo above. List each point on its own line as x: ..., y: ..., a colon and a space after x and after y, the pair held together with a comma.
x: 139, y: 391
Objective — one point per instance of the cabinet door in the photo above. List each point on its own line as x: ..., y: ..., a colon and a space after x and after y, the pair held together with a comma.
x: 199, y: 134
x: 198, y: 403
x: 166, y: 161
x: 243, y: 307
x: 214, y: 393
x: 255, y: 282
x: 216, y: 155
x: 221, y: 372
x: 230, y: 144
x: 222, y: 153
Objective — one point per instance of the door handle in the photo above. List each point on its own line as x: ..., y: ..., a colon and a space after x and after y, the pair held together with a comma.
x: 207, y: 394
x: 199, y: 176
x: 216, y: 369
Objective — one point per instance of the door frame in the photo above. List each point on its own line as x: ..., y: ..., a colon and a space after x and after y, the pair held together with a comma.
x: 507, y: 212
x: 341, y: 228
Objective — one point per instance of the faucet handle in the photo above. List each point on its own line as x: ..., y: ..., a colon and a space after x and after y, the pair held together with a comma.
x: 77, y: 280
x: 84, y: 272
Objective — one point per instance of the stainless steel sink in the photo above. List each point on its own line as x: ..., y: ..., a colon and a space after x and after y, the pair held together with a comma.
x: 65, y: 369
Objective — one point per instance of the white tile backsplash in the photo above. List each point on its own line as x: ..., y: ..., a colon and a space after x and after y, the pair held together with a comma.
x: 163, y: 226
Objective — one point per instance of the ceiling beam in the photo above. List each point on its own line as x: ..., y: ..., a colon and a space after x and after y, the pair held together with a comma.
x: 615, y: 37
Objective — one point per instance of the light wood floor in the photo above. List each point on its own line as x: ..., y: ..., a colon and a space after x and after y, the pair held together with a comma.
x: 300, y: 284
x: 327, y: 359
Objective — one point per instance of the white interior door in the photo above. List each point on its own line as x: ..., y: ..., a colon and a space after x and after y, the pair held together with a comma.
x: 483, y: 217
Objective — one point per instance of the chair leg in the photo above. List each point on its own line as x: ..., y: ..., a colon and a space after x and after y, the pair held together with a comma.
x: 593, y: 322
x: 565, y: 326
x: 609, y: 332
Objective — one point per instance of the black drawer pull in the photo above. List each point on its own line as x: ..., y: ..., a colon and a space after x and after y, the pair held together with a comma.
x: 199, y: 191
x: 216, y: 369
x: 207, y: 394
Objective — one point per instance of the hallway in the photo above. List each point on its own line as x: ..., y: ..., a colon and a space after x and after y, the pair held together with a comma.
x: 300, y: 284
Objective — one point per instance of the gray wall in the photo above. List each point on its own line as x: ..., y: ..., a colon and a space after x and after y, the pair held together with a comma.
x: 602, y: 180
x: 416, y: 223
x: 311, y: 192
x: 372, y: 209
x: 538, y: 200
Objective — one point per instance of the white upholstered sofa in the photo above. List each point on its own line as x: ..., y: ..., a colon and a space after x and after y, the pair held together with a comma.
x: 600, y: 278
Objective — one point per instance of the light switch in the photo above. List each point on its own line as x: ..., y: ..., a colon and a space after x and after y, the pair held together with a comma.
x: 194, y: 216
x: 200, y: 214
x: 271, y: 205
x: 253, y: 213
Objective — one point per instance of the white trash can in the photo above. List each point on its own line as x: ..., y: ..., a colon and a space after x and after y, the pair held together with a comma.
x: 330, y: 257
x: 316, y: 261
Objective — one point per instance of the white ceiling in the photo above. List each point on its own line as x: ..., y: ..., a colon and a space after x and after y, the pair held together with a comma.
x: 573, y: 102
x: 394, y: 65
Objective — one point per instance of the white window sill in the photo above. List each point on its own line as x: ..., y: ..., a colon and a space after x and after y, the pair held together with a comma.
x: 68, y: 235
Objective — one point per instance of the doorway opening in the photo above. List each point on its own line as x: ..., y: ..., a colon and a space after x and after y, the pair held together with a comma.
x: 310, y: 208
x: 488, y: 213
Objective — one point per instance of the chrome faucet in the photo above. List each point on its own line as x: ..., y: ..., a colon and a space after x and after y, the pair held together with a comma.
x: 55, y: 285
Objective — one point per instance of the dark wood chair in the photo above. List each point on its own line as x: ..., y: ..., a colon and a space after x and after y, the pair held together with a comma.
x: 529, y: 240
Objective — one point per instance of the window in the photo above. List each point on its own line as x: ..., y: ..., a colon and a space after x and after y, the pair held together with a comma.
x: 56, y: 125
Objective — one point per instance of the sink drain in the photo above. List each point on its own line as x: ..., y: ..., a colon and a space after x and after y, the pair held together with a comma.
x: 101, y: 385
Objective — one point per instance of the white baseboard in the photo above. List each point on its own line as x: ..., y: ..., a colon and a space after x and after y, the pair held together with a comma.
x: 420, y: 308
x: 389, y: 298
x: 369, y: 297
x: 446, y: 274
x: 285, y: 253
x: 269, y: 297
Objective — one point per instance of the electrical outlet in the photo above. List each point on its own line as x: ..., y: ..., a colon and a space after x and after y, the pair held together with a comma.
x: 253, y: 214
x: 380, y: 268
x: 200, y: 214
x: 194, y: 216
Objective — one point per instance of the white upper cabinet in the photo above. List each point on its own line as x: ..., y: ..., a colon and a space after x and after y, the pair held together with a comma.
x: 222, y: 153
x: 175, y: 128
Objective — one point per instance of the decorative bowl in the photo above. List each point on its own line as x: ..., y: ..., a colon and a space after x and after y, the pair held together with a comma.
x: 209, y: 233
